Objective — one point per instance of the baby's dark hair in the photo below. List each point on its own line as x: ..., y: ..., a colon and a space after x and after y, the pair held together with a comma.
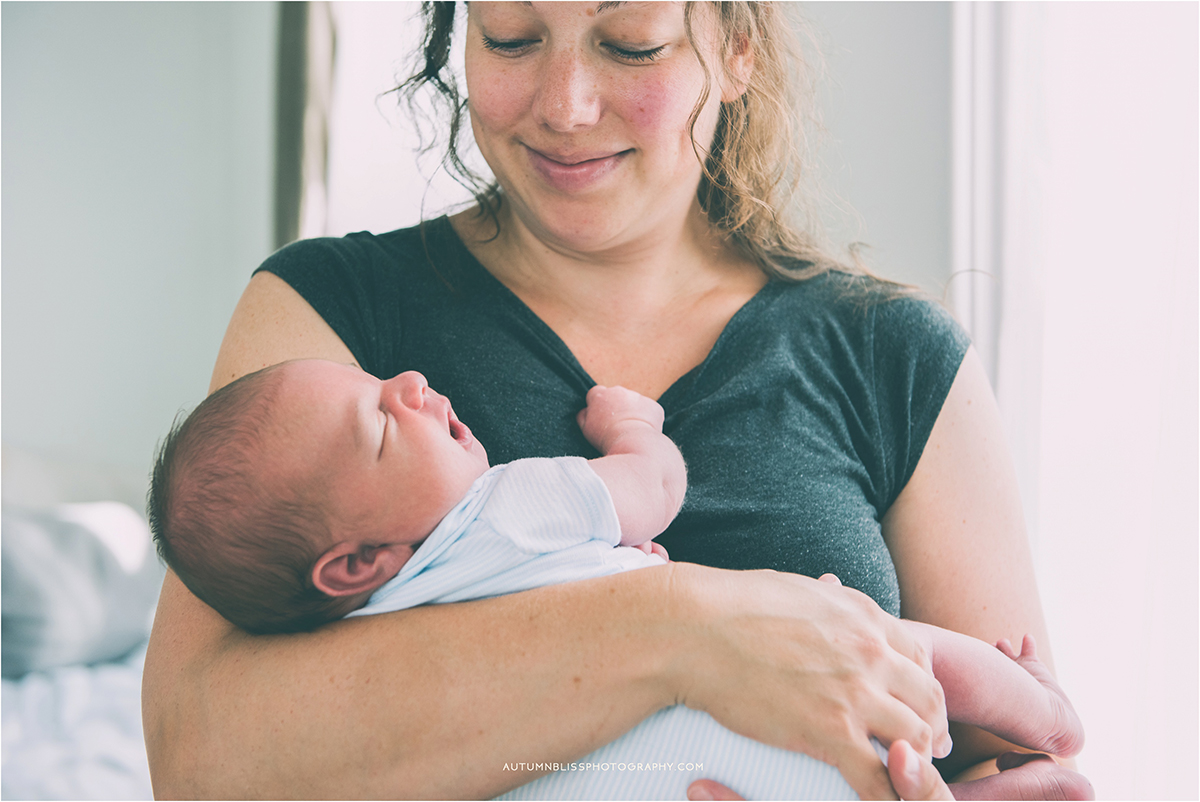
x: 245, y: 548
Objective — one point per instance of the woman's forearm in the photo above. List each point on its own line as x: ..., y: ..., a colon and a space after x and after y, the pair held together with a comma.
x: 431, y: 702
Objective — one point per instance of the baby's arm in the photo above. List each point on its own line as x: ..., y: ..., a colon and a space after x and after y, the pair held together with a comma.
x: 1009, y: 693
x: 641, y: 467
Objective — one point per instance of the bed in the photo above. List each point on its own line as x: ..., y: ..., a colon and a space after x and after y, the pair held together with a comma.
x: 80, y: 580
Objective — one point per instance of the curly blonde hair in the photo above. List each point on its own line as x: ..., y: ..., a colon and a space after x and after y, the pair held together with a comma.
x: 757, y: 187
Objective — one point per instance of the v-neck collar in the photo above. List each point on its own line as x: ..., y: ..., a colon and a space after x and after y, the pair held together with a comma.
x: 674, y: 395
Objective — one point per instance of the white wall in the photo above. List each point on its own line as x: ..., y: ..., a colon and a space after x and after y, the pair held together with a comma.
x: 138, y: 148
x: 886, y: 106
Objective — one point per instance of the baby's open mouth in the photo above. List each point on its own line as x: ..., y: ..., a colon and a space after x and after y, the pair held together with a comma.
x: 459, y: 431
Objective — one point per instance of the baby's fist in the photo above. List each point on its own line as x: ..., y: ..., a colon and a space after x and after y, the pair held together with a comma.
x: 612, y: 410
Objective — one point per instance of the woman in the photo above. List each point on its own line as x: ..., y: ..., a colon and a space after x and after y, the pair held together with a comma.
x: 631, y: 241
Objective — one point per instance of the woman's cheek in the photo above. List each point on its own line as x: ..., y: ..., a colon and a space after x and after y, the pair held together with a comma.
x: 496, y: 103
x: 498, y: 90
x: 661, y: 108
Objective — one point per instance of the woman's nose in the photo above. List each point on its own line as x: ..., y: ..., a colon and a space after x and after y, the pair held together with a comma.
x: 407, y: 388
x: 568, y: 94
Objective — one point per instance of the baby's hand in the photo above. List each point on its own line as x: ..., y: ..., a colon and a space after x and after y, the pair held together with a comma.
x: 650, y: 547
x: 611, y: 411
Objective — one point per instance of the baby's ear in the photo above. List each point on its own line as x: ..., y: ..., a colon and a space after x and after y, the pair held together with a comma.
x: 348, y: 568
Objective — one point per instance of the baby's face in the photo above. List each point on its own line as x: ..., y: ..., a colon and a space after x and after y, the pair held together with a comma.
x: 391, y: 456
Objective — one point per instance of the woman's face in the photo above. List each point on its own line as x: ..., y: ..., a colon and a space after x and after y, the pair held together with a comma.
x: 582, y: 111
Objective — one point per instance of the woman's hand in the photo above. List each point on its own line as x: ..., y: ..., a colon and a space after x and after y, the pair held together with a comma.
x: 912, y: 778
x: 1022, y: 776
x: 812, y: 667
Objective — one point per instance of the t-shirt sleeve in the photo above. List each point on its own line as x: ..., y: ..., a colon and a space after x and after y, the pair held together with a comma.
x: 346, y: 280
x: 546, y: 505
x: 917, y: 349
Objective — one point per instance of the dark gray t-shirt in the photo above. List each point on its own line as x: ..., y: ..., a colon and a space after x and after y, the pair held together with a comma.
x: 799, y: 429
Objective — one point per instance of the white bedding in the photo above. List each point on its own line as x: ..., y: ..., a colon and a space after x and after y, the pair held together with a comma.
x: 72, y: 730
x: 75, y: 733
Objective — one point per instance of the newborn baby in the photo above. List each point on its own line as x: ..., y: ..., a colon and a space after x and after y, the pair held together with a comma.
x: 310, y: 491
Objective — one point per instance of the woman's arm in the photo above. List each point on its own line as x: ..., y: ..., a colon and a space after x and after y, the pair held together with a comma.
x: 327, y: 714
x: 360, y: 710
x: 432, y: 702
x: 957, y: 536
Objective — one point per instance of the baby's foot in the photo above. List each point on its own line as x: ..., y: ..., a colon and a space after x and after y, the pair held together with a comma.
x: 1065, y: 735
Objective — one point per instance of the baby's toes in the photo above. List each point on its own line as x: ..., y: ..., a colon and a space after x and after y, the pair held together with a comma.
x: 1029, y: 647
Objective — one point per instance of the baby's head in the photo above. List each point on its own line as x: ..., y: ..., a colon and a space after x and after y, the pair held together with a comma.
x: 288, y: 496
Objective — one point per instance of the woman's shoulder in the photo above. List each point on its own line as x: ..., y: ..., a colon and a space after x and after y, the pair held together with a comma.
x: 364, y: 250
x: 367, y: 287
x: 876, y: 312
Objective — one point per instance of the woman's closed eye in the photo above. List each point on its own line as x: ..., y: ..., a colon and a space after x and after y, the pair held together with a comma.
x: 635, y: 55
x: 518, y: 47
x: 508, y: 47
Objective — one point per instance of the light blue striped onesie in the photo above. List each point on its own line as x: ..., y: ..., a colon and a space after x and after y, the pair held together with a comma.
x: 536, y: 522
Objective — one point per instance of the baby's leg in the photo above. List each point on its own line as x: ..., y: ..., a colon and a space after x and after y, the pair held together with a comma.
x: 1005, y: 692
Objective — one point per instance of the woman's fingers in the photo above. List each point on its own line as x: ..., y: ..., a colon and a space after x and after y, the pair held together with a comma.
x: 813, y: 667
x: 920, y: 717
x: 891, y: 720
x: 866, y: 773
x: 706, y: 790
x: 907, y: 776
x: 912, y: 777
x: 904, y: 669
x: 915, y: 687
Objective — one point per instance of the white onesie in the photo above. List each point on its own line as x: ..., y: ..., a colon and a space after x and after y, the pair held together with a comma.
x: 536, y: 522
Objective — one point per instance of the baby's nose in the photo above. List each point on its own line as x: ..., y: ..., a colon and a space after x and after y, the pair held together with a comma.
x: 409, y: 387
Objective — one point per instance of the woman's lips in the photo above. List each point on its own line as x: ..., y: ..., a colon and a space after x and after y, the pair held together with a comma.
x: 573, y: 174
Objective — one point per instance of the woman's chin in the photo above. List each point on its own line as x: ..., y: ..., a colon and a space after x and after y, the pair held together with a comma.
x: 577, y: 224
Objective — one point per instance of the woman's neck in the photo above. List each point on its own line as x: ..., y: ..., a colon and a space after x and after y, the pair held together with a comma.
x: 675, y: 290
x: 624, y: 280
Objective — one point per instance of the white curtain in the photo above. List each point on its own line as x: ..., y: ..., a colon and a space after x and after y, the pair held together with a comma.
x: 1076, y: 211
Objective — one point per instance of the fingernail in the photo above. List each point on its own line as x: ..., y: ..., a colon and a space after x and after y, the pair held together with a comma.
x: 700, y: 794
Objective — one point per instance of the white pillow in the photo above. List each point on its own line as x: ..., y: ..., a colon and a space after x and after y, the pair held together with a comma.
x: 80, y: 582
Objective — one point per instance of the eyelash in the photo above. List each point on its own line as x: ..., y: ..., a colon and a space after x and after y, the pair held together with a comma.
x: 640, y: 56
x: 513, y: 47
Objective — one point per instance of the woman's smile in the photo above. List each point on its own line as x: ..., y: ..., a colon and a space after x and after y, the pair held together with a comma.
x: 574, y: 172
